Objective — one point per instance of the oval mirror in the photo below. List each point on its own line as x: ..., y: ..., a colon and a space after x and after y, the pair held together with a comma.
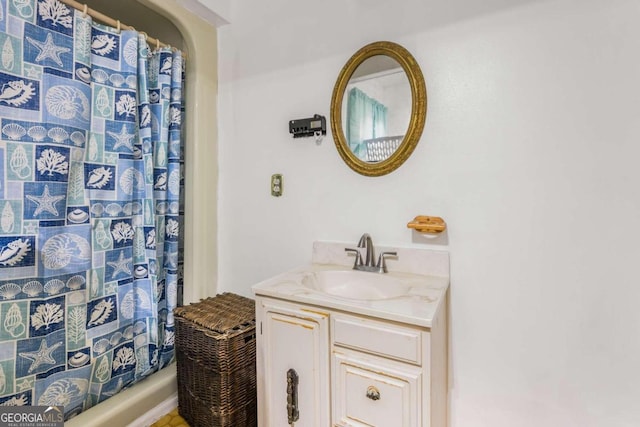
x: 378, y: 108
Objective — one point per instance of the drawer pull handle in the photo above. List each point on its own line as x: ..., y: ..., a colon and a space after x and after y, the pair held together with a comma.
x: 373, y: 393
x: 292, y: 396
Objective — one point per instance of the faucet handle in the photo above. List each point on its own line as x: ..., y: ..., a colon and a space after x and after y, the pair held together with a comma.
x: 358, y: 261
x: 382, y: 265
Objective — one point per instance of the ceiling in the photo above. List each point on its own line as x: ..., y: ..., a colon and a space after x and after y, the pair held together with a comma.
x: 274, y: 34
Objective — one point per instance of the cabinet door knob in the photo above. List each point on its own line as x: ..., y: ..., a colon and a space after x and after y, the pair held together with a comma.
x: 373, y: 393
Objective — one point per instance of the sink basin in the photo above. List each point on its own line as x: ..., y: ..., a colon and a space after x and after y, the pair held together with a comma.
x: 356, y: 284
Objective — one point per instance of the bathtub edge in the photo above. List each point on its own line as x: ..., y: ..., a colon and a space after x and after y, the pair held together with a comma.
x: 130, y: 404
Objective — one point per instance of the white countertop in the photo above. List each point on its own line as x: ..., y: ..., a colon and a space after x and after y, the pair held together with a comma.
x: 418, y: 306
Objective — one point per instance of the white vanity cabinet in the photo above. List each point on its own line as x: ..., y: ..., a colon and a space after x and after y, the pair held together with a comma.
x: 354, y: 370
x: 339, y: 347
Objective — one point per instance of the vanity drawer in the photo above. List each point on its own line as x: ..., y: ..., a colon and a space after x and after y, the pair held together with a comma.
x: 385, y: 339
x: 375, y: 392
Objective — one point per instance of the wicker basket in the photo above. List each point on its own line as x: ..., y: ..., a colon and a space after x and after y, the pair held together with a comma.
x: 216, y: 357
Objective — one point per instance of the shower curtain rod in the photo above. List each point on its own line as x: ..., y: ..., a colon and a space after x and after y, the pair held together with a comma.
x: 114, y: 23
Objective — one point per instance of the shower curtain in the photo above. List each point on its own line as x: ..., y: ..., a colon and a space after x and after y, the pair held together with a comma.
x: 90, y: 182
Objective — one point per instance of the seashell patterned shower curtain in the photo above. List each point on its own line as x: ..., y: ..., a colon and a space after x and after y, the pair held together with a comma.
x: 90, y: 183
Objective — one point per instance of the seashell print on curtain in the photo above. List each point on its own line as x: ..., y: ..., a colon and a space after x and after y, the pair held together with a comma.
x: 90, y: 206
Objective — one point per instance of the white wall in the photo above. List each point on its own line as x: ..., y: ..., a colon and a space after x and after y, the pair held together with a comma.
x: 530, y: 153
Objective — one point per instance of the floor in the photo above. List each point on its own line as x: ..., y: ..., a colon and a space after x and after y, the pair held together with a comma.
x: 172, y: 419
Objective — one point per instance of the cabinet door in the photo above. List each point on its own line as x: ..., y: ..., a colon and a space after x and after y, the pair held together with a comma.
x: 295, y: 338
x: 370, y: 391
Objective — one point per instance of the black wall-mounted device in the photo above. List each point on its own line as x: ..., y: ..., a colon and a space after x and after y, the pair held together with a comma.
x: 317, y: 125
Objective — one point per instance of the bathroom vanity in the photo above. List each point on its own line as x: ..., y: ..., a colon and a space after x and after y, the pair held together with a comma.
x: 339, y: 347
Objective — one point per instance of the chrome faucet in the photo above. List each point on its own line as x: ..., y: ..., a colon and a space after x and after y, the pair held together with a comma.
x: 366, y: 243
x: 368, y: 264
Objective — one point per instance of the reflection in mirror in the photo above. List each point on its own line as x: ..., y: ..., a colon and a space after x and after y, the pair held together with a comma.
x: 376, y: 108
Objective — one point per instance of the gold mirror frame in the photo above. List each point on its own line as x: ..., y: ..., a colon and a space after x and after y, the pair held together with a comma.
x: 418, y: 108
